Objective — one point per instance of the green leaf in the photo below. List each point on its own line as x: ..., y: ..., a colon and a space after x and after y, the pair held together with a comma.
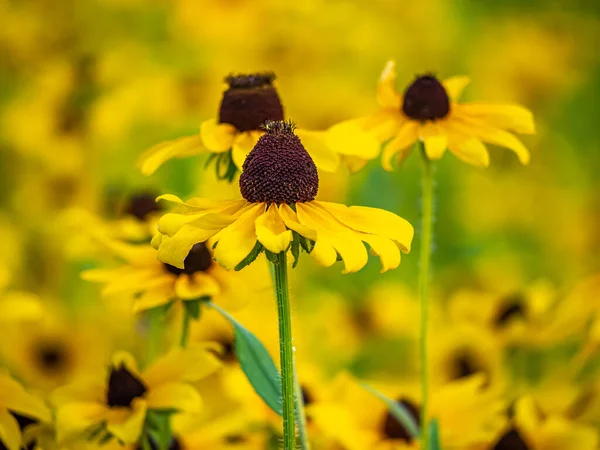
x: 400, y: 413
x: 295, y: 249
x: 272, y: 257
x: 434, y: 435
x: 192, y: 307
x: 257, y: 250
x: 256, y: 363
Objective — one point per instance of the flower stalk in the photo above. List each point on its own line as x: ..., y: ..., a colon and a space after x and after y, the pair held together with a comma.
x: 427, y: 196
x: 285, y: 351
x: 185, y: 329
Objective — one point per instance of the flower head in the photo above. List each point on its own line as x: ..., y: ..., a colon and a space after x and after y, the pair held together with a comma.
x: 278, y: 213
x: 429, y: 111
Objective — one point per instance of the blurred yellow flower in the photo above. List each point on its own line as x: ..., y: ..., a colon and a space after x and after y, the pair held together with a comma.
x: 278, y: 211
x: 429, y: 112
x: 121, y: 400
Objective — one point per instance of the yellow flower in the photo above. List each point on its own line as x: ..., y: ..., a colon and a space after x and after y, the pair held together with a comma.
x: 121, y: 399
x: 278, y: 212
x: 150, y: 283
x: 429, y: 112
x: 533, y: 431
x: 248, y: 103
x: 16, y: 404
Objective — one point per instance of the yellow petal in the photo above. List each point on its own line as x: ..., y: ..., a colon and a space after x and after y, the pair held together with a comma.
x: 155, y: 157
x: 243, y: 145
x: 384, y: 124
x: 387, y: 96
x: 238, y: 239
x: 349, y: 138
x: 291, y: 221
x: 152, y: 298
x: 179, y: 396
x: 170, y: 224
x: 190, y: 364
x: 559, y: 433
x: 472, y: 151
x: 435, y: 140
x: 20, y: 306
x: 10, y: 433
x: 332, y: 232
x: 385, y: 249
x: 407, y: 135
x: 217, y: 137
x: 196, y: 285
x: 14, y: 397
x: 354, y: 163
x: 324, y: 253
x: 271, y: 231
x: 511, y: 117
x: 318, y: 147
x: 455, y: 86
x: 127, y: 423
x: 372, y: 221
x: 74, y: 418
x: 127, y: 360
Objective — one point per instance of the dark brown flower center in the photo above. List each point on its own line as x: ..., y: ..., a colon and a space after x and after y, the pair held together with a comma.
x: 464, y: 364
x: 142, y: 205
x: 393, y: 429
x: 198, y: 259
x: 511, y: 440
x: 426, y: 99
x: 51, y: 357
x: 279, y: 169
x: 123, y: 387
x: 250, y: 101
x: 511, y: 307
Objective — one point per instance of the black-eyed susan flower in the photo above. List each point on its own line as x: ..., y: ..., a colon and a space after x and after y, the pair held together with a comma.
x: 119, y: 399
x: 249, y: 101
x: 278, y: 212
x: 429, y: 111
x: 18, y: 409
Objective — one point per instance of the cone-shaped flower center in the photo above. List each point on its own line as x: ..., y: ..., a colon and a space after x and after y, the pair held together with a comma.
x: 51, y: 356
x: 123, y: 387
x: 198, y: 259
x: 513, y: 306
x: 279, y: 169
x: 426, y: 99
x: 250, y: 101
x: 142, y: 205
x: 511, y: 440
x: 393, y: 429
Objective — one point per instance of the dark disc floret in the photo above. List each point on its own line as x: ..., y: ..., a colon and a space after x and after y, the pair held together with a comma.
x: 51, y: 356
x: 393, y: 429
x: 250, y: 101
x: 511, y: 440
x: 123, y: 387
x: 142, y: 205
x: 199, y: 259
x: 279, y: 169
x: 426, y: 99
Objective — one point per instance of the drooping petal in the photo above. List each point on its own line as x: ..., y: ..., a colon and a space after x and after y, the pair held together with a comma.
x: 126, y: 424
x: 173, y: 250
x: 190, y: 364
x: 385, y: 249
x: 238, y: 239
x: 200, y: 204
x: 383, y: 124
x: 354, y: 163
x: 14, y: 397
x: 10, y: 433
x: 243, y: 145
x: 407, y: 135
x: 471, y: 151
x: 155, y: 157
x: 127, y: 360
x: 217, y: 137
x: 197, y: 285
x: 216, y: 218
x: 455, y: 86
x: 179, y: 396
x: 510, y: 117
x: 333, y: 233
x: 74, y: 418
x: 372, y: 221
x: 271, y: 231
x: 350, y: 138
x: 435, y: 140
x: 152, y: 298
x: 387, y: 96
x: 291, y: 221
x: 317, y: 146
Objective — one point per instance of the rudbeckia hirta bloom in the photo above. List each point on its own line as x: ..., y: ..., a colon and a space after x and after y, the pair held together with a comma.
x: 16, y: 403
x: 278, y: 212
x: 429, y: 111
x: 120, y: 399
x: 247, y: 104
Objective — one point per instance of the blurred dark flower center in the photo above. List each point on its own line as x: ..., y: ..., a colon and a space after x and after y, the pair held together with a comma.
x: 123, y: 387
x: 51, y: 356
x: 198, y: 259
x: 142, y: 206
x: 250, y: 101
x: 511, y: 440
x: 393, y: 429
x: 279, y: 169
x: 464, y: 364
x: 426, y: 99
x: 511, y: 307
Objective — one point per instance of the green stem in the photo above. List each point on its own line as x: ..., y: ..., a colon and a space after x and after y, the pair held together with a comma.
x: 424, y: 268
x: 286, y: 351
x: 185, y: 329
